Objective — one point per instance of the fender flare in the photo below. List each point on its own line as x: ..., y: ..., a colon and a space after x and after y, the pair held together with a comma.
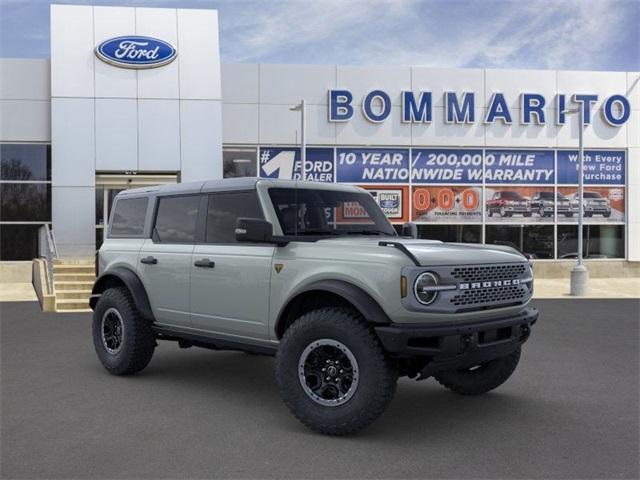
x: 133, y: 284
x: 356, y: 296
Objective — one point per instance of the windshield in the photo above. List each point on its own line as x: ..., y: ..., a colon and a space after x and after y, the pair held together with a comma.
x: 546, y: 195
x: 592, y: 195
x: 328, y: 212
x: 512, y: 196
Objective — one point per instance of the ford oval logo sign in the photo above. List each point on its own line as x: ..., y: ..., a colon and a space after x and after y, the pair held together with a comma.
x: 134, y: 51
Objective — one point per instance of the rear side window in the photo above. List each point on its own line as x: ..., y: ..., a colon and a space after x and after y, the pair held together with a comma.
x: 223, y: 211
x: 128, y: 217
x: 176, y: 219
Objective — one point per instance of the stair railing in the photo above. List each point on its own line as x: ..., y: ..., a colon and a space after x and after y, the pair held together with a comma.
x: 47, y: 249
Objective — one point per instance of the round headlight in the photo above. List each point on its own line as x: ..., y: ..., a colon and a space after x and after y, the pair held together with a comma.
x: 423, y: 288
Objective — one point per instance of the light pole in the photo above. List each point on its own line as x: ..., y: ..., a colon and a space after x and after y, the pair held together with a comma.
x: 303, y: 140
x: 580, y: 274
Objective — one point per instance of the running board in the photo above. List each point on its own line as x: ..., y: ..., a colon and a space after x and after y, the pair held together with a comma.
x: 187, y: 339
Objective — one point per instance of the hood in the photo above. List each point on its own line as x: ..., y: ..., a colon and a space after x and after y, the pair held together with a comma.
x: 434, y: 252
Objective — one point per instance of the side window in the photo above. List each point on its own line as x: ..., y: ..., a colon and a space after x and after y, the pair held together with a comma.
x: 176, y: 219
x: 128, y: 217
x: 223, y: 211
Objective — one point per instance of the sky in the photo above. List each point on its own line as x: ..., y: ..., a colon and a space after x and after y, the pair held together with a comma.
x: 533, y: 34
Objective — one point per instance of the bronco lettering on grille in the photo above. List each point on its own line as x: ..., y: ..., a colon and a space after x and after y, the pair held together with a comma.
x: 488, y: 284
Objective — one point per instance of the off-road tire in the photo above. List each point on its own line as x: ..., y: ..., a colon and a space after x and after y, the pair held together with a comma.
x: 481, y: 380
x: 377, y: 374
x: 138, y: 341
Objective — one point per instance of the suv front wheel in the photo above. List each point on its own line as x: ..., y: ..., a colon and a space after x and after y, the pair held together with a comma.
x: 123, y: 339
x: 332, y: 372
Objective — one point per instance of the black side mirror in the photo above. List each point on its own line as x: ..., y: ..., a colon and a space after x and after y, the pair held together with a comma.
x: 409, y: 229
x: 253, y: 230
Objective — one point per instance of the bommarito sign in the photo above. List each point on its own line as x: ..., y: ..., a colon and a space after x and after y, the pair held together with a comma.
x: 460, y: 108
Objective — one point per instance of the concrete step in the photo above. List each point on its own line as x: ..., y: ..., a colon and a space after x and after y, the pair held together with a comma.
x: 75, y: 285
x: 65, y: 268
x: 73, y: 294
x: 71, y: 304
x: 74, y: 277
x: 74, y: 261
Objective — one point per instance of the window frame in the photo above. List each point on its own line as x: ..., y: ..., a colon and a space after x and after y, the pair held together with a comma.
x: 142, y: 234
x: 205, y: 217
x: 197, y: 234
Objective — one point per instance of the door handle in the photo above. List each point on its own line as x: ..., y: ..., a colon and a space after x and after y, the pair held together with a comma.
x: 204, y: 263
x: 149, y: 260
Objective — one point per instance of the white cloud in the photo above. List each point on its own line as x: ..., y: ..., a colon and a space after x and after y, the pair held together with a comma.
x: 527, y: 34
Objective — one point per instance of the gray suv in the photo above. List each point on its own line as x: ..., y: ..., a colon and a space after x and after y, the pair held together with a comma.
x: 315, y: 275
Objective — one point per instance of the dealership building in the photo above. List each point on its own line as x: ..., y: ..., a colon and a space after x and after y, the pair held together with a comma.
x: 470, y: 155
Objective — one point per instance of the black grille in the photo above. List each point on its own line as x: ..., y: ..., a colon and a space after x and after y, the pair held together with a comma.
x: 479, y: 273
x: 511, y: 294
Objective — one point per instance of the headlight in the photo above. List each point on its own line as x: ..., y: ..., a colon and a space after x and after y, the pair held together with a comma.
x: 426, y: 288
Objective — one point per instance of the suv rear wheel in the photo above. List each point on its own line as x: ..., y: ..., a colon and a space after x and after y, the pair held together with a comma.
x: 333, y: 374
x: 480, y: 378
x: 123, y: 339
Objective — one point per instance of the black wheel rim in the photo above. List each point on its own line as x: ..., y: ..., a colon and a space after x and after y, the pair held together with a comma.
x: 112, y: 331
x: 328, y: 372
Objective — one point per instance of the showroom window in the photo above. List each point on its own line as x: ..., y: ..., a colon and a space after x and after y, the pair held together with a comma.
x: 533, y: 240
x: 25, y: 198
x: 451, y: 233
x: 239, y: 162
x: 598, y: 241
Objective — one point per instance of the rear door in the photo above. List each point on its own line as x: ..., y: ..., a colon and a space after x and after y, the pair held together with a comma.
x: 165, y: 259
x: 230, y: 281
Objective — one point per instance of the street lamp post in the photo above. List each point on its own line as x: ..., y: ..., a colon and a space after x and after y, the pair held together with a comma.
x: 580, y: 274
x: 303, y: 139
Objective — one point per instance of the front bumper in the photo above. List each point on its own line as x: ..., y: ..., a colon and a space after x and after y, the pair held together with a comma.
x: 517, y: 209
x: 602, y: 210
x: 447, y: 347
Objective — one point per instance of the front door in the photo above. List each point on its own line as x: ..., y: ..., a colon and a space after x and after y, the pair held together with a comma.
x: 165, y: 259
x: 230, y: 281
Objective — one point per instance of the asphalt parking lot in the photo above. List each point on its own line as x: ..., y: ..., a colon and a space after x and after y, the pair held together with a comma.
x: 570, y: 411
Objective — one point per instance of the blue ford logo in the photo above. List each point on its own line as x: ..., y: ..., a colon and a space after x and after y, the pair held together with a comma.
x: 389, y: 203
x: 134, y: 51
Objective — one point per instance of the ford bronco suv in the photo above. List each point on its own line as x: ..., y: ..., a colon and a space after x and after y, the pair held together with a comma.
x: 316, y: 275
